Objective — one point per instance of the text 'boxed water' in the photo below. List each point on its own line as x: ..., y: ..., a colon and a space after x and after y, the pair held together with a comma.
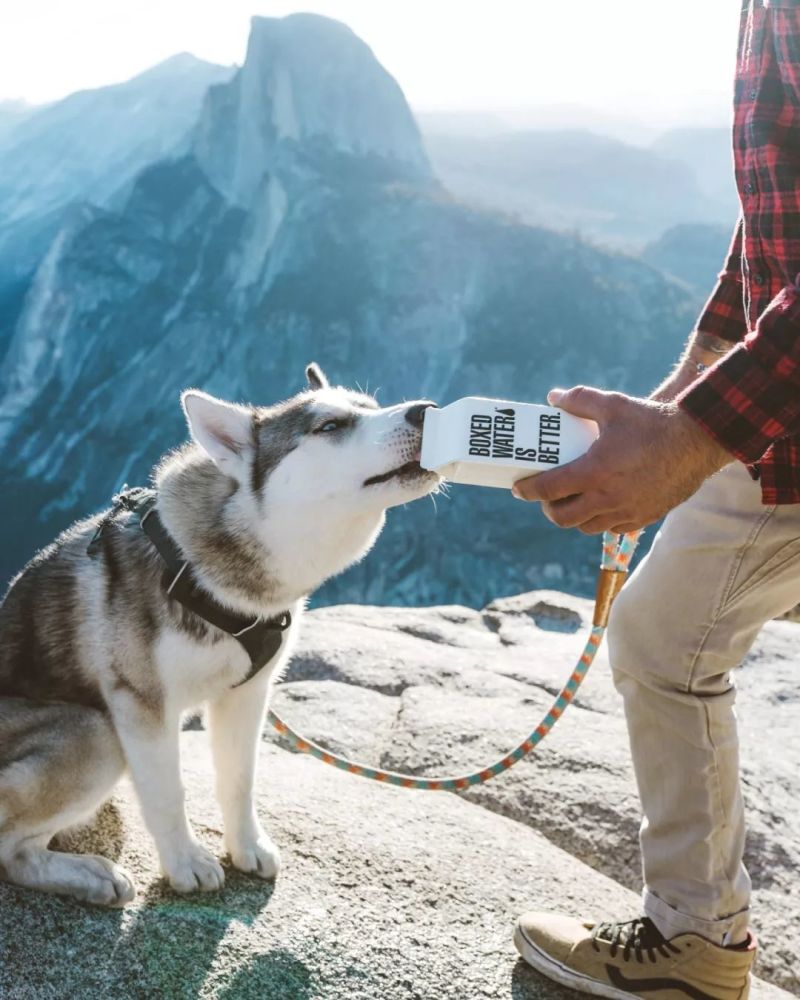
x: 495, y: 442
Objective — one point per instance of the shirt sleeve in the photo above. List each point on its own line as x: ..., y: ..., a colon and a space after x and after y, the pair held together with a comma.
x: 723, y: 315
x: 751, y: 397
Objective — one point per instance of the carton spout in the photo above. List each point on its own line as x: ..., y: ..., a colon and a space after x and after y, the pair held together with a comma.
x: 429, y: 457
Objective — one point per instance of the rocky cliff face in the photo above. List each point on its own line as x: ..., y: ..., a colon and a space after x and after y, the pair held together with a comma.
x: 308, y: 85
x: 303, y: 222
x: 86, y: 147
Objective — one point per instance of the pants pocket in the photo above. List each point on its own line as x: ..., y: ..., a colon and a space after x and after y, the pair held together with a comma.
x: 777, y: 564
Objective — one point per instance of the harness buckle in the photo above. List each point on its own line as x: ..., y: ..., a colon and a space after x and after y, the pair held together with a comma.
x: 281, y: 623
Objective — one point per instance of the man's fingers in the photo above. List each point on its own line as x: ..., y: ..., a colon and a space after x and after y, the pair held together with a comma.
x: 583, y: 401
x: 608, y: 522
x: 626, y: 528
x: 597, y: 525
x: 576, y: 511
x: 553, y: 485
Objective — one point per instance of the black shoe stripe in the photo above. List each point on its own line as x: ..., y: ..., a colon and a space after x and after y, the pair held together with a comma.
x: 654, y: 985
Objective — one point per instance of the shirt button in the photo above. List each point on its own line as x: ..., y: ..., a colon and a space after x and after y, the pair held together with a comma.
x: 759, y: 279
x: 749, y: 188
x: 753, y: 94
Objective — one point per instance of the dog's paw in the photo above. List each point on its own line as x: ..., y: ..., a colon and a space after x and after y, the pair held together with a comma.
x: 260, y: 857
x: 193, y: 869
x: 99, y: 881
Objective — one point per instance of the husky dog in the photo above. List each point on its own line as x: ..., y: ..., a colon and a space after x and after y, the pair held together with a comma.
x: 98, y: 663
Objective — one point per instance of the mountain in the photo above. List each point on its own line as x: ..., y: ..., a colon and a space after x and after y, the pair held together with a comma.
x: 461, y: 123
x: 85, y: 148
x: 12, y: 114
x: 573, y: 180
x: 557, y: 117
x: 709, y: 155
x: 627, y: 128
x: 303, y: 221
x: 694, y: 254
x: 310, y: 92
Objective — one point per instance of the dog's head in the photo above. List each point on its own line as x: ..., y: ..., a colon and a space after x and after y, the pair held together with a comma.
x: 327, y: 449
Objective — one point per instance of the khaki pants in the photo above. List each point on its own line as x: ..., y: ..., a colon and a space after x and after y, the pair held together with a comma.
x: 722, y: 565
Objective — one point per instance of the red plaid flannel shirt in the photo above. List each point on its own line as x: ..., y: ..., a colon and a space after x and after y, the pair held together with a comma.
x: 750, y: 400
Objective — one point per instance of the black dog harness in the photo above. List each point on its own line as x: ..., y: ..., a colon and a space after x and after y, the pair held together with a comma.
x: 260, y: 637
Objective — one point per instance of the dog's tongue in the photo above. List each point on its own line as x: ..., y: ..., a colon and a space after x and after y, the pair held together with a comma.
x: 417, y: 455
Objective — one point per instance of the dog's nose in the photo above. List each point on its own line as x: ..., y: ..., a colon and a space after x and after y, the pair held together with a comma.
x: 415, y: 414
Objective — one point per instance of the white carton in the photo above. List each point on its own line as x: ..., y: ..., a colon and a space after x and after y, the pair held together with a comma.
x: 495, y: 442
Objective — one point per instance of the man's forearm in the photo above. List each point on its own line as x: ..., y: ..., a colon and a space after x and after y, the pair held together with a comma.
x: 703, y: 349
x: 750, y: 399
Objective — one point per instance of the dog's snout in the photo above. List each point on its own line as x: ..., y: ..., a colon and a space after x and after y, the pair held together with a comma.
x: 415, y: 414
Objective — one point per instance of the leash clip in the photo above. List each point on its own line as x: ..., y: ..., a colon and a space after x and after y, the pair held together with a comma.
x: 130, y: 498
x: 609, y: 584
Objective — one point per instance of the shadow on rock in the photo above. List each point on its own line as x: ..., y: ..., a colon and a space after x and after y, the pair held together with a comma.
x: 42, y: 934
x: 170, y: 944
x: 527, y: 984
x: 275, y: 975
x: 163, y: 947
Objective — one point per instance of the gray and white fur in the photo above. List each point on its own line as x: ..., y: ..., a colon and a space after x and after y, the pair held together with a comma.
x: 98, y: 664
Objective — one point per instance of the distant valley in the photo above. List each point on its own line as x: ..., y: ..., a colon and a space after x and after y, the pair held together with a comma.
x: 579, y: 180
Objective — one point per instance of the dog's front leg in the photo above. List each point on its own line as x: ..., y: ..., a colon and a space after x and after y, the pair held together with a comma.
x: 153, y: 755
x: 236, y: 718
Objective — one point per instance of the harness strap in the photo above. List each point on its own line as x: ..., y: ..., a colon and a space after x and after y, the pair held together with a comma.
x: 261, y: 638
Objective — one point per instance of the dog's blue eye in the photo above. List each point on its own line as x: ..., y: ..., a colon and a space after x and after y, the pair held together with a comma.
x: 329, y: 425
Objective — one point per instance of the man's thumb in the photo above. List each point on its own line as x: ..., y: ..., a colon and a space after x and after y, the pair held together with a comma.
x: 582, y: 402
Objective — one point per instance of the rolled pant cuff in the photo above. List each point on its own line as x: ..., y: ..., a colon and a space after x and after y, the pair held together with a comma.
x: 671, y: 922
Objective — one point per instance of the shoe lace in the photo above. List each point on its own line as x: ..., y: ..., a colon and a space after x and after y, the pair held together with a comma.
x: 634, y: 936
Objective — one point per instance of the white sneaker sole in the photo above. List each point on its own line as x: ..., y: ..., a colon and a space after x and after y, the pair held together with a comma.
x: 559, y: 973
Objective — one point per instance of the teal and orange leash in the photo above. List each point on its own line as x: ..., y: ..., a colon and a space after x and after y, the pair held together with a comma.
x: 617, y: 554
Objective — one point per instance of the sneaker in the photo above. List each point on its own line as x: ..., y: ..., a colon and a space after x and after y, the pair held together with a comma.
x: 633, y: 959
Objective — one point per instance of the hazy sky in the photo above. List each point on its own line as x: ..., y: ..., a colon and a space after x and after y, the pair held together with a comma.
x: 634, y: 56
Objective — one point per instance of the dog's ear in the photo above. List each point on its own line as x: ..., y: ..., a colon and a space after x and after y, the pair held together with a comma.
x: 316, y: 377
x: 223, y: 430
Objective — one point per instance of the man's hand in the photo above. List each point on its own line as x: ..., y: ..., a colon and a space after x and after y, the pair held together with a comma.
x: 648, y: 458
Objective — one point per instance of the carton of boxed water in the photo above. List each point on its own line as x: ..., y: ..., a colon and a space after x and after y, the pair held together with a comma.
x: 495, y: 442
